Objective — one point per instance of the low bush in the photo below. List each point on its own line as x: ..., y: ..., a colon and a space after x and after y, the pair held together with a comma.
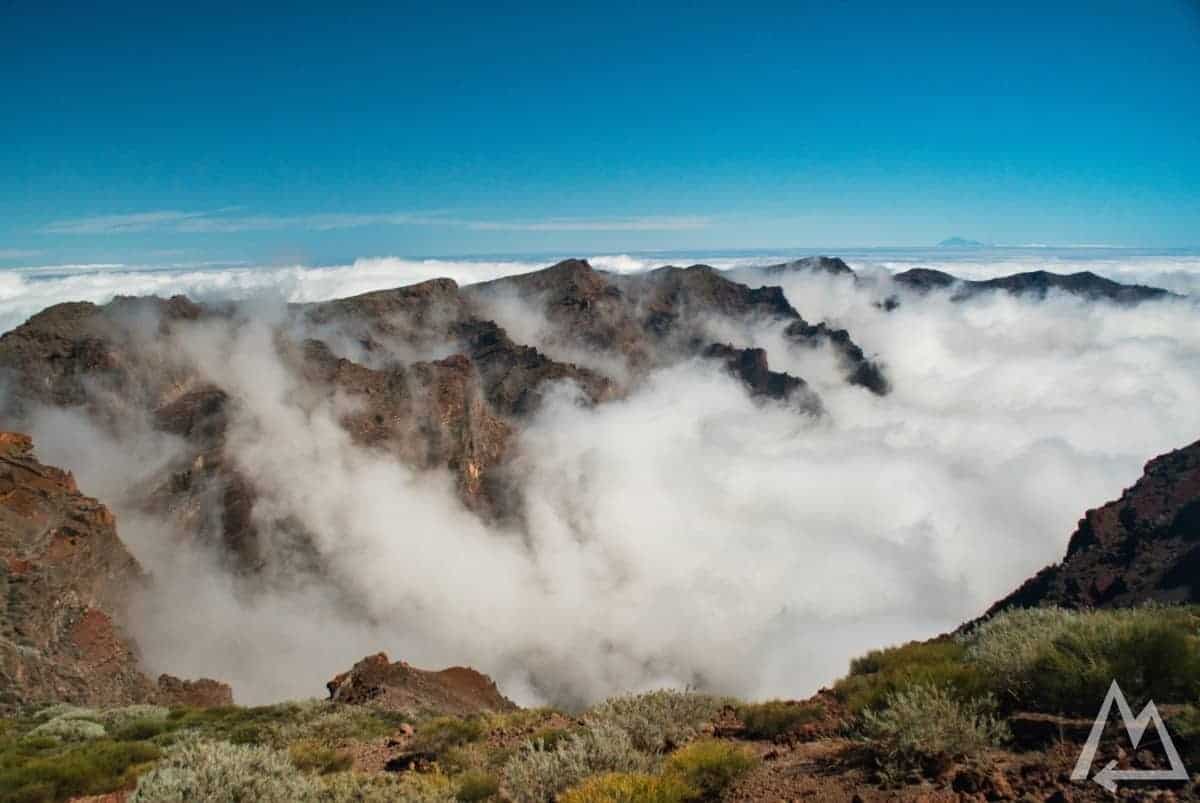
x: 70, y: 730
x: 442, y: 733
x: 777, y: 717
x: 355, y: 787
x: 880, y: 673
x: 476, y: 785
x: 710, y: 766
x: 219, y: 772
x: 616, y: 787
x: 32, y: 771
x: 923, y: 728
x: 114, y: 719
x: 312, y: 756
x: 138, y: 730
x: 658, y: 721
x: 1063, y: 661
x: 536, y: 774
x: 64, y: 711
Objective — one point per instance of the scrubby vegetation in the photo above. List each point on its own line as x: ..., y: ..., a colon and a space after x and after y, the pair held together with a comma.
x: 916, y: 709
x: 535, y: 774
x: 658, y: 721
x: 926, y: 727
x: 880, y: 673
x: 35, y: 769
x: 709, y: 766
x: 925, y: 704
x: 1063, y: 662
x: 615, y: 787
x: 777, y: 717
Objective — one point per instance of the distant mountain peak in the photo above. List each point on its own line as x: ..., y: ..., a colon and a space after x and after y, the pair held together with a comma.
x: 961, y: 242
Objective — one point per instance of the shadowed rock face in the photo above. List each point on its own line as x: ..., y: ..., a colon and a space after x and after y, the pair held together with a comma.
x: 1034, y: 283
x: 65, y: 579
x: 1142, y: 547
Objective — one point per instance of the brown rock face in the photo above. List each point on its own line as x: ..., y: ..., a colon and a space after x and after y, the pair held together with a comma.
x: 65, y: 577
x: 203, y: 693
x: 1143, y: 547
x: 459, y: 691
x: 420, y: 372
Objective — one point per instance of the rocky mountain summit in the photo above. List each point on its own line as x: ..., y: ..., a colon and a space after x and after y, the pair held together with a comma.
x: 65, y: 580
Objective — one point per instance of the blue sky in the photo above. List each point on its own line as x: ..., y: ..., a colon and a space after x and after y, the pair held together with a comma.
x: 288, y: 132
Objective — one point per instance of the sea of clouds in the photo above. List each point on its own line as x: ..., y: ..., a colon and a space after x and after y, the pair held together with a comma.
x: 685, y: 534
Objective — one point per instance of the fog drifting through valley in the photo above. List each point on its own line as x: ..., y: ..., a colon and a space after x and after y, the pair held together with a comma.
x: 684, y: 535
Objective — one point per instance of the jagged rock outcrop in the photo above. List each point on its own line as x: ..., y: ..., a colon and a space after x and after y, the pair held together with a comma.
x: 750, y: 365
x: 1142, y: 547
x: 65, y: 579
x: 660, y: 316
x: 834, y: 266
x: 1036, y: 284
x: 457, y: 691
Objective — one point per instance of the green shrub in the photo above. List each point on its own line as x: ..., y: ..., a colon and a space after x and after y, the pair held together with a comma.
x: 442, y: 733
x: 925, y: 727
x: 617, y: 787
x: 141, y: 729
x: 114, y: 719
x: 1063, y: 662
x: 536, y: 774
x: 70, y: 730
x: 883, y: 672
x: 777, y: 717
x: 31, y: 772
x: 312, y: 756
x: 356, y: 787
x: 710, y: 766
x: 476, y: 785
x: 219, y: 772
x: 64, y: 711
x: 1186, y: 725
x: 658, y: 721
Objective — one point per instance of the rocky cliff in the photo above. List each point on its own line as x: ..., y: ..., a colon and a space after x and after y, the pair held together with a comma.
x: 65, y: 579
x: 1143, y: 547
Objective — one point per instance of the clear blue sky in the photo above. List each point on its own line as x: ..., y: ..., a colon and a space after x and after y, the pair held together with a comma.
x: 320, y: 132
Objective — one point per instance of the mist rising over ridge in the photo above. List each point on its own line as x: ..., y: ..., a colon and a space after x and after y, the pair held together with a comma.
x: 429, y: 470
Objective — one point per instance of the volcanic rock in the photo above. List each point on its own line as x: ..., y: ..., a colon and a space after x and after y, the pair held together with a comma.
x: 457, y: 691
x: 65, y: 580
x: 1140, y: 548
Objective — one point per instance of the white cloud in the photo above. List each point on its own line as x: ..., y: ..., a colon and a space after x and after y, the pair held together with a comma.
x: 225, y: 222
x: 683, y: 534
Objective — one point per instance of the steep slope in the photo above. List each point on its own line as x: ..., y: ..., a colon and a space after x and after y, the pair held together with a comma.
x: 65, y: 579
x: 1142, y: 547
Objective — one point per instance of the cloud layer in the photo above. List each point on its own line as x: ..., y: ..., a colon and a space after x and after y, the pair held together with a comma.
x: 682, y: 535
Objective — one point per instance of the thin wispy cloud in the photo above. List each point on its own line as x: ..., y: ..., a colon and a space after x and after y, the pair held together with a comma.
x: 120, y: 224
x: 18, y: 253
x: 222, y: 222
x: 571, y: 224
